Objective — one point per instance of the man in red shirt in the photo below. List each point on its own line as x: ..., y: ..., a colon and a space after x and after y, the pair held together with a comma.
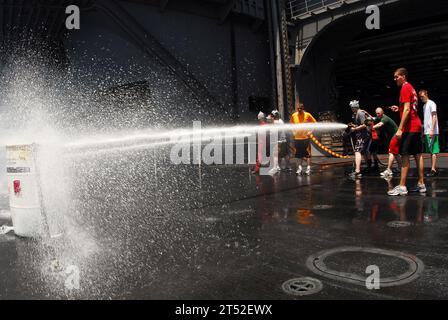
x: 409, y: 133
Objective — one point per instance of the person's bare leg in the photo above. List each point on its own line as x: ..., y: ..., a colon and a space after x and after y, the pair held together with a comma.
x: 390, y: 186
x: 304, y: 162
x: 434, y: 162
x: 421, y: 169
x: 299, y: 165
x: 398, y: 157
x: 358, y: 159
x: 390, y: 163
x: 404, y: 170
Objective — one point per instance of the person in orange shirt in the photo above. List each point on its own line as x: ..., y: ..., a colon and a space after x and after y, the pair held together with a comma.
x: 302, y: 138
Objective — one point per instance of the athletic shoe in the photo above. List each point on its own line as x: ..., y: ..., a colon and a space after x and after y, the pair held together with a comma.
x: 308, y: 171
x: 355, y: 175
x: 433, y: 174
x: 398, y: 191
x: 387, y: 173
x: 299, y: 171
x: 419, y: 188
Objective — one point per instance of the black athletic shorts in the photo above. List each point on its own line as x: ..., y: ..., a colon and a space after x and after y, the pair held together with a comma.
x: 303, y: 148
x: 411, y: 143
x: 362, y: 144
x: 282, y: 149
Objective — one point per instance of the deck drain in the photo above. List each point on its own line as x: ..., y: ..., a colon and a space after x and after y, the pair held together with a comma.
x: 399, y: 224
x: 316, y: 263
x: 322, y: 207
x: 302, y: 286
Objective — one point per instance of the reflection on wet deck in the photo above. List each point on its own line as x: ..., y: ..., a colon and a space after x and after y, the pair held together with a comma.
x: 236, y: 236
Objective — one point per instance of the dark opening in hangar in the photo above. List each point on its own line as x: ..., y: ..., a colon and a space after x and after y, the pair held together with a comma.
x: 347, y: 61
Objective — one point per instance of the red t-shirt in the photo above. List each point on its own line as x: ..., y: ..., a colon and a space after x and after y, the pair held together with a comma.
x: 408, y: 94
x: 375, y: 135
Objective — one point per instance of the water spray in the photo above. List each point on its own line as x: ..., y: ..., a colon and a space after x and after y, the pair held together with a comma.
x: 28, y: 213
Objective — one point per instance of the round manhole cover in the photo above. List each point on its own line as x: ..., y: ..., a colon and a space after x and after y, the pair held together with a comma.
x: 302, y: 286
x: 316, y: 263
x: 399, y: 224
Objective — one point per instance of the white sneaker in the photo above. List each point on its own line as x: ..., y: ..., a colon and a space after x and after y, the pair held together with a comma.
x: 299, y: 171
x: 308, y: 171
x: 398, y: 191
x: 419, y: 188
x: 387, y: 173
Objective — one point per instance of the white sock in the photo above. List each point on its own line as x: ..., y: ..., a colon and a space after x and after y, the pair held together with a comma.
x: 300, y: 167
x: 308, y: 168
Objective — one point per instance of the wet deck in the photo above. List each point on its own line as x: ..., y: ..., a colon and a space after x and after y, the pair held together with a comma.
x: 233, y: 235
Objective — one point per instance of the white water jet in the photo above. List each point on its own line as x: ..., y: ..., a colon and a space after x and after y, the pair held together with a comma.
x: 169, y: 136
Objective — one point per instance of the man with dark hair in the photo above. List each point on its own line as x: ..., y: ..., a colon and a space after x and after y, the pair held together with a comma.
x: 409, y: 133
x: 431, y: 130
x: 302, y: 138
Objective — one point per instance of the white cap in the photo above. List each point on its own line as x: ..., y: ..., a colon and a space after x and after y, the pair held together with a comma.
x: 261, y: 115
x: 354, y: 104
x: 275, y: 113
